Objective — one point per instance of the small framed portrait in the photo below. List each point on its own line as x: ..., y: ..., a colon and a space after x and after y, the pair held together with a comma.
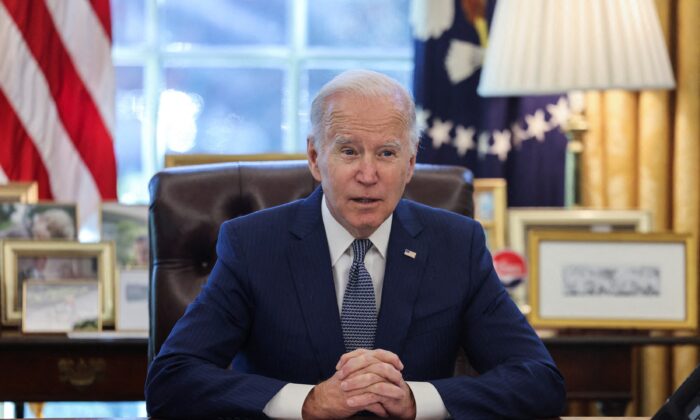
x: 132, y: 300
x: 19, y: 192
x: 60, y: 306
x: 127, y: 227
x: 27, y: 260
x: 38, y: 221
x: 613, y: 280
x: 490, y: 203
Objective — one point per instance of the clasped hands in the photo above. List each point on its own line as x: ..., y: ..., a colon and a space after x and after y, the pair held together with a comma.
x: 368, y: 380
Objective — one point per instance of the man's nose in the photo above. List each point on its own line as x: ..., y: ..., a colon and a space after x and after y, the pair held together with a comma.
x: 367, y: 171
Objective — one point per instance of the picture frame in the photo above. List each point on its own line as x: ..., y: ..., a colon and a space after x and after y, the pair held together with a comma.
x: 132, y: 300
x: 19, y: 192
x: 187, y: 159
x: 127, y: 226
x: 61, y: 306
x: 24, y: 260
x: 43, y: 220
x: 490, y: 204
x: 613, y: 280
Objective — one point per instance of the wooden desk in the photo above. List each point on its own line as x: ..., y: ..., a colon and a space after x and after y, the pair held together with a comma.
x: 55, y: 368
x: 599, y: 367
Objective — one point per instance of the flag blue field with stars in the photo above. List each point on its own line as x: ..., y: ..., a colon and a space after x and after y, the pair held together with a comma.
x: 518, y: 139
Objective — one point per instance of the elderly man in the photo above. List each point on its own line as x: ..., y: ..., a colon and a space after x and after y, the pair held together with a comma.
x: 354, y: 300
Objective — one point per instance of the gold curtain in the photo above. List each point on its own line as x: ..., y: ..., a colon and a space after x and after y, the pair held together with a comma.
x: 642, y: 151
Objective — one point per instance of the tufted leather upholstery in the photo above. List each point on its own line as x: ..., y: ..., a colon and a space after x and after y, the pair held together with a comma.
x: 188, y: 204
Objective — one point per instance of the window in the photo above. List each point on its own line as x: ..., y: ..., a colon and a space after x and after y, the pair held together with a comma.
x: 237, y: 76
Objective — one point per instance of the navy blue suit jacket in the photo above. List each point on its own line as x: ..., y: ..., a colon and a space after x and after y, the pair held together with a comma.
x: 268, y: 316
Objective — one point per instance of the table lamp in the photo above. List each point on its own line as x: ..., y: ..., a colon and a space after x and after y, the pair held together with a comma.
x: 540, y: 47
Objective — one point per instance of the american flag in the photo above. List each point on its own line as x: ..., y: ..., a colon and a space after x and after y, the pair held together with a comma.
x: 57, y: 99
x: 514, y: 138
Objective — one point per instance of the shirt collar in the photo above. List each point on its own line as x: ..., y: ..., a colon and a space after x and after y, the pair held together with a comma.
x: 339, y: 239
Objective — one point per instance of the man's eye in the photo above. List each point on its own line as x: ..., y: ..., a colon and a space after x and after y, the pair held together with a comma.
x: 388, y: 153
x: 347, y: 152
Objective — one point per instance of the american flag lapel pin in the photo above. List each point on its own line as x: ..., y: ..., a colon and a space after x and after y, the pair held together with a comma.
x: 409, y: 253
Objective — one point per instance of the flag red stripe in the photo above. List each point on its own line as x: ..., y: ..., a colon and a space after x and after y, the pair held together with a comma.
x: 77, y: 111
x: 103, y: 13
x: 19, y: 158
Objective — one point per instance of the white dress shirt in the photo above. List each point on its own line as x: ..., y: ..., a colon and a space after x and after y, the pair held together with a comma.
x: 288, y: 402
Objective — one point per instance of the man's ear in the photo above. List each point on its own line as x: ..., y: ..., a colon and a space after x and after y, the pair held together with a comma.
x: 312, y: 155
x: 411, y: 167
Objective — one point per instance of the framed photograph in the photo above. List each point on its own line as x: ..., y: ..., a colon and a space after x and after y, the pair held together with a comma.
x: 132, y: 300
x: 490, y: 203
x: 38, y: 221
x: 127, y: 227
x: 613, y: 280
x: 187, y: 159
x: 24, y: 260
x: 19, y: 192
x: 60, y: 306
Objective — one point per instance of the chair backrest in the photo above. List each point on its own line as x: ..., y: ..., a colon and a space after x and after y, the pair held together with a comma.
x: 188, y: 204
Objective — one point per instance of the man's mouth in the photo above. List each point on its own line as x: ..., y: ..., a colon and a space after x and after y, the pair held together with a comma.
x: 365, y: 200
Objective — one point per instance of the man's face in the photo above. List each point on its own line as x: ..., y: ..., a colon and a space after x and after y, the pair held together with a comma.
x: 366, y: 160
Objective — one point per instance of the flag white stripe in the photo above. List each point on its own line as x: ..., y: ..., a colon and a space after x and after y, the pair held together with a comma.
x: 28, y: 92
x: 3, y: 177
x: 89, y: 47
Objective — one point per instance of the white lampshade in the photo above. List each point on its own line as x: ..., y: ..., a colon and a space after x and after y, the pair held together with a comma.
x: 539, y: 47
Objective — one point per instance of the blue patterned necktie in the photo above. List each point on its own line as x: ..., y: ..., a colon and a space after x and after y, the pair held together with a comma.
x: 359, y: 315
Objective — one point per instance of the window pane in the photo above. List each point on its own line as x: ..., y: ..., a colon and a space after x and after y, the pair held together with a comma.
x: 221, y: 110
x: 221, y: 22
x: 127, y: 138
x: 359, y: 23
x: 128, y: 22
x: 316, y: 78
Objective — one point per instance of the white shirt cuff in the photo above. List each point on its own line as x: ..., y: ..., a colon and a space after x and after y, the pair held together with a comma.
x: 287, y: 403
x: 429, y: 404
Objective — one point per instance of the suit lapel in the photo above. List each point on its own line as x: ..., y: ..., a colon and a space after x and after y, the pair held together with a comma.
x: 402, y: 277
x: 309, y: 260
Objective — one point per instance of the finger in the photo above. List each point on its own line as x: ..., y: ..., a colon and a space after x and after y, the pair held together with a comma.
x: 366, y: 376
x: 381, y: 354
x: 360, y: 381
x: 377, y: 409
x: 363, y: 400
x: 347, y: 356
x: 366, y: 359
x: 387, y: 390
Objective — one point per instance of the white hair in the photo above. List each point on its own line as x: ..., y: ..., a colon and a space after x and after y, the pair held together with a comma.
x: 366, y: 84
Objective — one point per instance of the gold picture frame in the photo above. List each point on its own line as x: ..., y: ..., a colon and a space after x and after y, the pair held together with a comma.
x: 61, y: 306
x: 172, y: 160
x: 55, y: 260
x: 19, y: 192
x: 490, y: 203
x: 613, y: 280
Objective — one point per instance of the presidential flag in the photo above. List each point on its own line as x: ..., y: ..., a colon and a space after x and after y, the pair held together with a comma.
x: 519, y: 139
x: 57, y: 99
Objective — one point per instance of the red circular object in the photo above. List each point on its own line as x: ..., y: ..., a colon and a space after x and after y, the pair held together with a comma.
x: 510, y: 267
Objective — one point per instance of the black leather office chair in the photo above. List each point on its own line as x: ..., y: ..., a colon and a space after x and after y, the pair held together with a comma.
x: 188, y: 204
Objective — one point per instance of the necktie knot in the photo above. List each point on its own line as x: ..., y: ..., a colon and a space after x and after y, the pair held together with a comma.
x: 359, y: 249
